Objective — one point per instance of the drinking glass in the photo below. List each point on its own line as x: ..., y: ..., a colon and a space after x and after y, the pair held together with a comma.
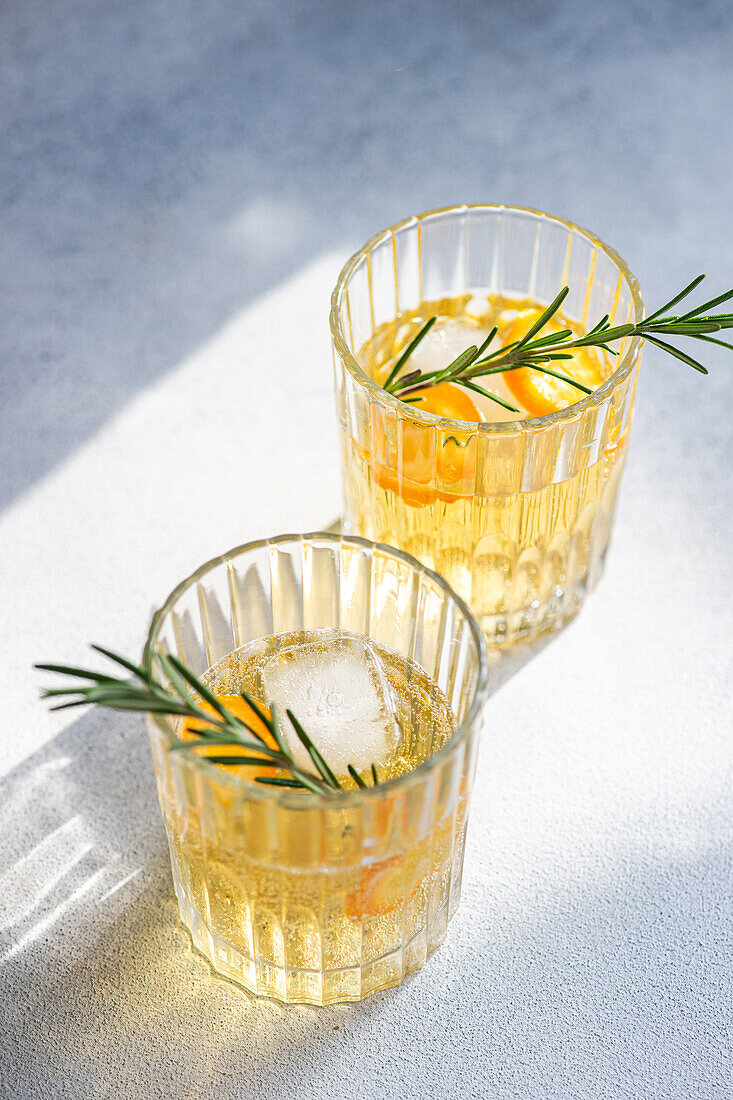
x: 522, y: 533
x: 294, y: 895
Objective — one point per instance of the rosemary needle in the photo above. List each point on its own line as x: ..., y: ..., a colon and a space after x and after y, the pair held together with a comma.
x: 223, y: 728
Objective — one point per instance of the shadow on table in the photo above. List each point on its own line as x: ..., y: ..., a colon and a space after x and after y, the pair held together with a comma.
x: 91, y: 947
x: 89, y: 927
x: 103, y: 996
x: 166, y: 165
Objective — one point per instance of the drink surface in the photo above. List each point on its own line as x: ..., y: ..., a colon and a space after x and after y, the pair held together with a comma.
x: 518, y: 521
x: 466, y: 320
x: 360, y: 702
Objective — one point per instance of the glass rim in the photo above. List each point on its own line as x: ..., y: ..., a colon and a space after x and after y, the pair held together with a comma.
x: 290, y: 798
x: 578, y: 408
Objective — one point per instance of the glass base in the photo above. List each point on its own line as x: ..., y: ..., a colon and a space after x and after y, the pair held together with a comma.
x: 535, y: 620
x: 541, y: 618
x: 294, y: 985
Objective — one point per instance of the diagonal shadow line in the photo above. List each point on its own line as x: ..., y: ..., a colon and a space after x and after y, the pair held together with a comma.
x: 192, y: 206
x: 146, y: 203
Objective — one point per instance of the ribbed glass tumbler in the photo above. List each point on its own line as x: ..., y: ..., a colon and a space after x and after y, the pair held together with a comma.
x: 300, y: 896
x: 522, y: 532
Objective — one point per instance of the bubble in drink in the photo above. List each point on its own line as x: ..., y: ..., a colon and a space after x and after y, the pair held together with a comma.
x: 340, y: 695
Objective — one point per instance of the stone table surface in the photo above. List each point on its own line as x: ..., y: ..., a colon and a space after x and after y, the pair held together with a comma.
x: 179, y: 185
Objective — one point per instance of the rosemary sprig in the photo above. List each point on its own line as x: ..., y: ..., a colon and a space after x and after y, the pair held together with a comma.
x: 535, y: 351
x: 142, y: 692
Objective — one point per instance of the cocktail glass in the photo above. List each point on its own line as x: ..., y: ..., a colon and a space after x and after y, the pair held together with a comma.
x: 305, y: 897
x: 522, y: 533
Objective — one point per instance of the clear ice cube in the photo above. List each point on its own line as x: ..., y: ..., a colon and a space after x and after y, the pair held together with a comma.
x: 337, y: 689
x: 444, y: 342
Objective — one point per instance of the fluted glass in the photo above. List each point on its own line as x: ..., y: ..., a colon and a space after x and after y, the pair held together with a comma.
x: 298, y: 896
x: 523, y: 535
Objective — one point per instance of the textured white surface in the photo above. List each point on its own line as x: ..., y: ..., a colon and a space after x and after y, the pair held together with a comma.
x: 179, y: 184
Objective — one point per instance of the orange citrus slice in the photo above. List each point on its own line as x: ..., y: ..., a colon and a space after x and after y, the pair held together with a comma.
x: 387, y: 885
x: 540, y: 393
x: 240, y: 709
x: 447, y: 400
x: 418, y: 463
